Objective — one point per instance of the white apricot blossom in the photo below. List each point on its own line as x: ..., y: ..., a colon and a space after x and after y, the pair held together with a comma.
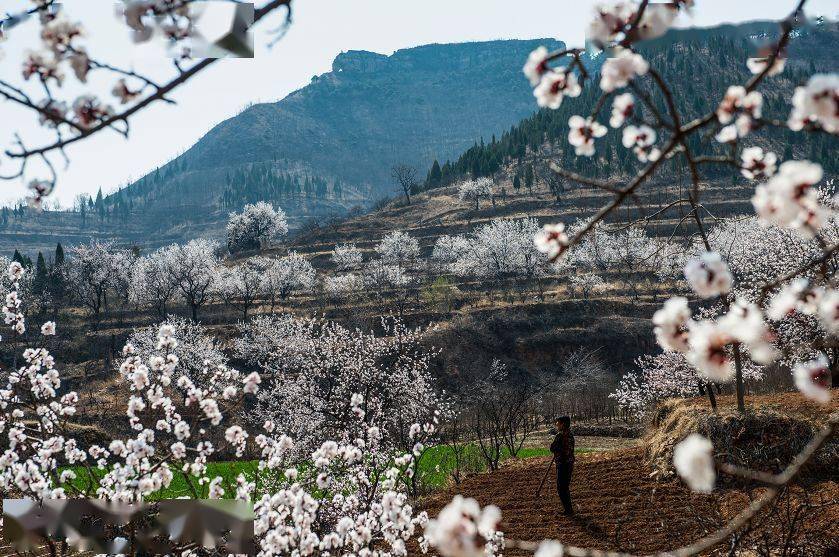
x: 555, y: 86
x: 462, y: 529
x: 622, y: 108
x: 758, y: 64
x: 708, y: 351
x: 583, y: 133
x: 708, y: 275
x: 536, y: 65
x: 671, y: 324
x: 789, y: 199
x: 641, y: 140
x: 816, y: 103
x: 813, y: 379
x: 618, y: 71
x: 551, y: 240
x: 694, y: 461
x: 757, y: 164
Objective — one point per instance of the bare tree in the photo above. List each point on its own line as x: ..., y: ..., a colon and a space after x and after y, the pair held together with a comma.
x: 405, y: 177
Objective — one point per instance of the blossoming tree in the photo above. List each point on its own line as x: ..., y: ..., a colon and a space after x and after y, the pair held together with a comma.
x: 255, y: 227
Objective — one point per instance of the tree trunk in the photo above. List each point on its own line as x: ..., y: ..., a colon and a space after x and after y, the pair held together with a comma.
x: 738, y: 374
x: 194, y: 313
x: 710, y: 388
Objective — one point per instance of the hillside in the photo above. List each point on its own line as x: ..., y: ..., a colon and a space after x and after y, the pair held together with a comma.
x: 696, y: 62
x: 328, y: 148
x: 319, y: 151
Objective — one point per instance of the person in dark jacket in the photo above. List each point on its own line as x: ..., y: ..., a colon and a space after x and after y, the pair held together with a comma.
x: 563, y: 449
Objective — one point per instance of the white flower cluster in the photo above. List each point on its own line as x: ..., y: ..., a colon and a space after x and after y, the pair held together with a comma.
x: 171, y: 18
x: 708, y: 275
x: 256, y: 226
x: 474, y: 190
x: 746, y: 106
x: 641, y: 140
x: 463, y: 529
x: 706, y: 343
x: 583, y: 133
x: 500, y: 248
x: 694, y: 461
x: 789, y: 199
x: 551, y: 240
x: 618, y: 71
x: 816, y: 103
x: 12, y: 314
x: 757, y: 163
x: 347, y: 257
x: 555, y: 86
x: 613, y: 21
x: 802, y: 297
x: 623, y: 107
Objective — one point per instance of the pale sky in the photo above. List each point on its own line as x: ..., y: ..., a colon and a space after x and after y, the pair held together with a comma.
x: 321, y: 30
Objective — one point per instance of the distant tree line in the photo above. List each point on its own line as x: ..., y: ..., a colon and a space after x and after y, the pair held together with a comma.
x: 261, y: 182
x: 698, y: 67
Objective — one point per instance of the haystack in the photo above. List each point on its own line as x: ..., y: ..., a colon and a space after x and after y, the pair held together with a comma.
x: 762, y: 438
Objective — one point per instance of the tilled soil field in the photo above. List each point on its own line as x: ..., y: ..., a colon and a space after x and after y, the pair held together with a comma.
x: 621, y: 505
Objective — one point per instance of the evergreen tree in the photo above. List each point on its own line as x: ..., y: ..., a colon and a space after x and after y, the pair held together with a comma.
x: 435, y: 175
x: 59, y: 255
x: 39, y: 282
x: 528, y: 178
x: 517, y: 182
x: 100, y: 205
x: 22, y: 259
x: 58, y: 279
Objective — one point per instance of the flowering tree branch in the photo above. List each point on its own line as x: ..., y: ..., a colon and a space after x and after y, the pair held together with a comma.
x: 90, y: 115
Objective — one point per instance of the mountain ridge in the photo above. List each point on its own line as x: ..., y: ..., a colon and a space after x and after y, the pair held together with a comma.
x: 328, y: 147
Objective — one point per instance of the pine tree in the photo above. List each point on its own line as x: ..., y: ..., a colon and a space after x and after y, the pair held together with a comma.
x: 517, y: 182
x: 59, y: 255
x: 528, y: 178
x: 22, y: 259
x: 435, y: 175
x: 56, y: 282
x: 39, y: 282
x: 100, y: 205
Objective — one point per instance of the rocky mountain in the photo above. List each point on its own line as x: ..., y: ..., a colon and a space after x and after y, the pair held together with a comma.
x: 349, y: 127
x: 329, y: 146
x: 321, y: 150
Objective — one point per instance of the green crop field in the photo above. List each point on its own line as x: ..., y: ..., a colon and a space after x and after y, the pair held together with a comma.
x: 435, y: 470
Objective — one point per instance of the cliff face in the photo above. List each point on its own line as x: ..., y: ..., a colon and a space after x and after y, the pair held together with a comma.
x: 373, y: 111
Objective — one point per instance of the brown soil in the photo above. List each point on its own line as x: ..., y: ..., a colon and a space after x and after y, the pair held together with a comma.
x: 623, y: 504
x: 619, y: 506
